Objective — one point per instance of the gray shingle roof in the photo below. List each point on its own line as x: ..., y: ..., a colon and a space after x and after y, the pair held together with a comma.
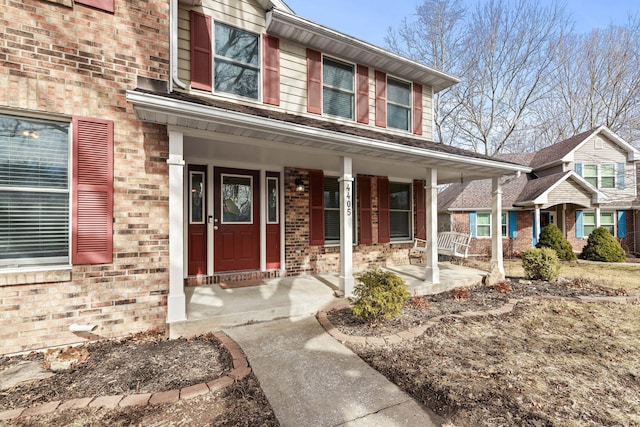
x: 558, y: 151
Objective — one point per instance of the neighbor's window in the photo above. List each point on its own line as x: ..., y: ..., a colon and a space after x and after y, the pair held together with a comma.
x: 337, y: 88
x: 398, y: 104
x: 400, y: 215
x: 608, y: 175
x: 504, y: 226
x: 236, y: 62
x: 590, y: 174
x: 34, y: 192
x: 608, y: 221
x: 483, y: 225
x: 588, y: 223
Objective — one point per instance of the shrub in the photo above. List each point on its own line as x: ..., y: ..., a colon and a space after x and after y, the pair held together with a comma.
x: 378, y: 294
x: 551, y: 237
x: 540, y: 263
x: 602, y: 246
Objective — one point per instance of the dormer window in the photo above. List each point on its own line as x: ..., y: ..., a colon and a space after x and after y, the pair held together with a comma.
x: 337, y: 88
x: 236, y: 61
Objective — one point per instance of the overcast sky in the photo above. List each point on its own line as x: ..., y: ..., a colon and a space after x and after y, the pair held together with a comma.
x: 368, y: 20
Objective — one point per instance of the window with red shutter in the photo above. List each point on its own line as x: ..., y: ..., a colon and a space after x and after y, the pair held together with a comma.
x: 417, y: 109
x: 106, y: 5
x: 314, y: 81
x: 92, y: 222
x: 384, y: 232
x: 316, y: 207
x: 363, y: 94
x: 421, y: 211
x: 364, y: 210
x: 201, y: 55
x: 271, y: 60
x: 381, y: 99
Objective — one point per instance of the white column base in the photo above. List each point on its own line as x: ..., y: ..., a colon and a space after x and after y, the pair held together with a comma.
x: 175, y: 308
x: 432, y: 274
x: 346, y: 286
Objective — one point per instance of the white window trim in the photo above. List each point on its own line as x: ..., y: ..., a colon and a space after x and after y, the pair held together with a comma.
x: 354, y: 93
x: 613, y: 215
x: 505, y: 214
x: 259, y: 68
x: 411, y: 236
x: 411, y: 118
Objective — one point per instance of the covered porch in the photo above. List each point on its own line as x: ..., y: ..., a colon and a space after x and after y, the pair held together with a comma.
x: 212, y: 307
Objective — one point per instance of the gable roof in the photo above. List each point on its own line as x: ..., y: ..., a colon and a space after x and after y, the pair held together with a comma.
x: 477, y: 194
x: 561, y: 152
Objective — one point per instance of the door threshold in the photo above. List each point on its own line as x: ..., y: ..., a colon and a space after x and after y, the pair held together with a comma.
x: 231, y: 277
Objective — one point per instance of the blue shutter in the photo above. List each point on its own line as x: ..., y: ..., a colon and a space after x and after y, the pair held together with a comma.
x: 620, y: 169
x: 579, y: 225
x: 622, y: 224
x: 578, y: 168
x: 472, y: 223
x: 513, y: 225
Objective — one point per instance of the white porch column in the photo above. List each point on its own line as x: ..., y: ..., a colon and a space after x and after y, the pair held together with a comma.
x: 176, y: 302
x: 497, y: 263
x: 431, y: 270
x: 536, y: 225
x: 598, y: 223
x: 346, y: 279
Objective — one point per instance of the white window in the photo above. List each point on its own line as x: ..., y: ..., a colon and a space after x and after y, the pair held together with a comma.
x: 400, y: 214
x: 608, y: 175
x: 504, y: 228
x: 236, y: 62
x: 483, y: 225
x: 34, y: 192
x: 398, y: 104
x: 590, y: 174
x: 331, y: 210
x: 608, y: 221
x: 337, y: 88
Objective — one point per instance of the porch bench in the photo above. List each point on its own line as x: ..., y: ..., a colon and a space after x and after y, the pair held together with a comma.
x: 450, y: 243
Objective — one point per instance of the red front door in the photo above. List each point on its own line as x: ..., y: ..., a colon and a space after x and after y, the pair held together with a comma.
x: 197, y: 230
x: 236, y: 219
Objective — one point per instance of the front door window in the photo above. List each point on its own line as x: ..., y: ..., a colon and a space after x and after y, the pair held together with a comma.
x: 237, y: 194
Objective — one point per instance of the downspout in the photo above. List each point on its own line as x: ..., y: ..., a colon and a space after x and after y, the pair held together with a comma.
x: 173, y: 46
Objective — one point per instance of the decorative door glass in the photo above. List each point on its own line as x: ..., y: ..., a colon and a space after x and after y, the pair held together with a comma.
x: 272, y: 200
x: 197, y: 197
x: 237, y: 193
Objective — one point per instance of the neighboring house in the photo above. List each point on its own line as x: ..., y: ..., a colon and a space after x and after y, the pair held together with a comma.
x: 584, y: 182
x: 148, y: 146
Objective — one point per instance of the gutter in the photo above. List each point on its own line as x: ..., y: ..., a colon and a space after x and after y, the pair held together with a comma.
x: 173, y: 46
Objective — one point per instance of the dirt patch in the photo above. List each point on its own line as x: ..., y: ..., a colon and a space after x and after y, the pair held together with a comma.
x: 546, y: 363
x: 143, y: 363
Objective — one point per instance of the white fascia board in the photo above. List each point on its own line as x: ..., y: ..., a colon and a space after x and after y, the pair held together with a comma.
x: 192, y: 111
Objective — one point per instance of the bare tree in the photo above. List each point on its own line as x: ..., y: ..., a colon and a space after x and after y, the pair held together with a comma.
x: 597, y: 82
x: 435, y: 38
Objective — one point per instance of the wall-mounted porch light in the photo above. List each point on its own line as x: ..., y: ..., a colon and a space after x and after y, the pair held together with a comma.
x: 299, y: 185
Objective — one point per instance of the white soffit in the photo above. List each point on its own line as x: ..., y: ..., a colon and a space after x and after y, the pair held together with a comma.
x: 326, y: 40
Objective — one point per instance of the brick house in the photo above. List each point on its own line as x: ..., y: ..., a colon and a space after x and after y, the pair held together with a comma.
x: 153, y: 145
x: 581, y: 183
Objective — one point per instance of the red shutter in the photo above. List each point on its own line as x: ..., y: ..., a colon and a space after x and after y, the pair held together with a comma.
x: 363, y: 94
x: 92, y: 223
x: 381, y: 99
x: 201, y: 55
x: 316, y: 208
x: 364, y: 210
x: 421, y: 211
x: 384, y: 233
x: 106, y: 5
x: 417, y: 109
x: 271, y: 59
x: 314, y: 81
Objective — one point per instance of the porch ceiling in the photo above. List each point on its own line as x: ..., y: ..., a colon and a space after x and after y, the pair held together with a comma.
x: 204, y: 121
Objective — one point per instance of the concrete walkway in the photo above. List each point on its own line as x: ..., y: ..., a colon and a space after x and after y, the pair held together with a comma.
x: 311, y: 379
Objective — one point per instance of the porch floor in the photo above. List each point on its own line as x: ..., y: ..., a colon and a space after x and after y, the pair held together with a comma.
x: 209, y: 307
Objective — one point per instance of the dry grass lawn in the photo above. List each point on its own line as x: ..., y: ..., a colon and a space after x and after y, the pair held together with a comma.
x: 626, y: 276
x: 548, y: 363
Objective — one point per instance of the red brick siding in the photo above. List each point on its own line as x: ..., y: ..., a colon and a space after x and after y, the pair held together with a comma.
x: 79, y: 61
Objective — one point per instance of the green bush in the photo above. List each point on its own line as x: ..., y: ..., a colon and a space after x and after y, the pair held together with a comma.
x: 378, y: 294
x: 540, y: 263
x: 551, y: 237
x: 602, y: 246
